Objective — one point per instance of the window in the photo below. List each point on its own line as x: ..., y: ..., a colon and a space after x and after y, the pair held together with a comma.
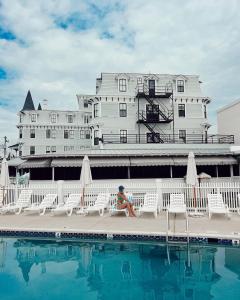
x: 33, y: 118
x: 123, y: 109
x: 82, y: 134
x: 180, y: 86
x: 181, y: 110
x: 85, y: 103
x: 47, y: 149
x: 153, y: 137
x: 139, y: 80
x: 20, y: 118
x: 96, y: 110
x: 54, y: 134
x: 53, y: 149
x: 182, y: 135
x: 205, y: 111
x: 87, y: 118
x: 48, y: 133
x: 70, y: 118
x: 32, y: 133
x: 96, y: 137
x: 88, y: 134
x: 53, y: 118
x: 122, y: 85
x: 32, y: 150
x: 20, y: 133
x: 71, y: 134
x: 68, y: 134
x: 68, y: 148
x: 123, y: 136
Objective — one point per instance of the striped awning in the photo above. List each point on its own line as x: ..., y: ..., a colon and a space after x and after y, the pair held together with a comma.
x: 207, y: 161
x: 94, y: 162
x: 36, y: 163
x: 151, y: 161
x: 66, y: 162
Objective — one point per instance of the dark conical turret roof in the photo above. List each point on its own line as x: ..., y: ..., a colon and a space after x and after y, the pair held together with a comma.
x: 28, y: 104
x: 39, y: 106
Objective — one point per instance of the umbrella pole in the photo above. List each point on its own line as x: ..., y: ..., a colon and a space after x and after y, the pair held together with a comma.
x: 194, y: 197
x: 82, y: 200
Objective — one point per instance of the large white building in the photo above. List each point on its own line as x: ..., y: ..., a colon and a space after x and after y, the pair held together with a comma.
x: 135, y: 125
x: 44, y: 131
x: 228, y: 120
x: 148, y: 108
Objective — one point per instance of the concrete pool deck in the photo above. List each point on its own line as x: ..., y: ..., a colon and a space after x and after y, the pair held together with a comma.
x: 217, y: 227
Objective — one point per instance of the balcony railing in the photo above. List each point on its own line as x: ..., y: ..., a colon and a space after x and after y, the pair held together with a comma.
x: 157, y: 91
x: 168, y: 139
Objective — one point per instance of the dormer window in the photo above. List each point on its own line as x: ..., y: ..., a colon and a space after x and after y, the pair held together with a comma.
x: 70, y: 118
x: 122, y: 83
x: 33, y: 118
x: 180, y: 86
x: 53, y: 118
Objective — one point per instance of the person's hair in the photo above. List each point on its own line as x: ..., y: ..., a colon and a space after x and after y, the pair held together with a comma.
x: 121, y: 188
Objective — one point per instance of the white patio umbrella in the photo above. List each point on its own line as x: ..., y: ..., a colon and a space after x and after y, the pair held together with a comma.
x: 192, y: 178
x: 86, y: 176
x: 4, y: 178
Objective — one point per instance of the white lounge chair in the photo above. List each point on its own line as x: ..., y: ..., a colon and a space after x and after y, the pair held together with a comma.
x: 114, y: 209
x: 22, y: 202
x: 71, y: 203
x: 150, y: 204
x: 99, y: 205
x: 41, y: 208
x: 177, y: 206
x: 216, y: 205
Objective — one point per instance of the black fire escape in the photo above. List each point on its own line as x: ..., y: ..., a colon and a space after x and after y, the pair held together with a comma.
x: 156, y: 112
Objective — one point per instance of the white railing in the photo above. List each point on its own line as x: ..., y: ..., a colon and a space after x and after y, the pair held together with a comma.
x: 194, y: 199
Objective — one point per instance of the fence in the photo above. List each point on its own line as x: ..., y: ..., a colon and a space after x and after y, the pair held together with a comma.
x: 229, y: 190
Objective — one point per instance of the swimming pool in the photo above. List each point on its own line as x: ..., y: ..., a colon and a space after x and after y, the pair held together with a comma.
x: 38, y: 269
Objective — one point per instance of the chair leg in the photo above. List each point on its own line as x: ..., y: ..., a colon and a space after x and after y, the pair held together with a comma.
x: 70, y: 212
x: 19, y: 211
x: 43, y: 212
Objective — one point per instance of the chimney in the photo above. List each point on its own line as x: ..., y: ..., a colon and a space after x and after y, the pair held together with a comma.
x: 45, y: 104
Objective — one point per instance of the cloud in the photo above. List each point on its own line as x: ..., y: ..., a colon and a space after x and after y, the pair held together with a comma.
x: 57, y: 48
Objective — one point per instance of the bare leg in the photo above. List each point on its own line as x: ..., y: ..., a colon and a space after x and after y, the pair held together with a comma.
x: 128, y: 207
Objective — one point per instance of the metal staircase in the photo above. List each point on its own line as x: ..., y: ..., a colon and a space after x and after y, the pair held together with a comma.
x: 156, y: 111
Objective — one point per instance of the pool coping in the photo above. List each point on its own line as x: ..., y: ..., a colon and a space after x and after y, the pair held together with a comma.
x: 206, y: 238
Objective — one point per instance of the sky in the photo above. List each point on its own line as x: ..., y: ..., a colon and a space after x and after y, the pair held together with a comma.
x: 57, y: 48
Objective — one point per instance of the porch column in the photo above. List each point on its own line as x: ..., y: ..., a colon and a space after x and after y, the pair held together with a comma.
x: 231, y: 170
x: 53, y: 173
x: 129, y: 172
x: 216, y: 171
x: 171, y: 172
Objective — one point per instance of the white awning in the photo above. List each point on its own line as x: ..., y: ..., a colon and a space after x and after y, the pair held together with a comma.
x: 207, y: 161
x: 151, y: 161
x: 66, y: 162
x: 94, y: 162
x: 36, y: 163
x: 109, y: 162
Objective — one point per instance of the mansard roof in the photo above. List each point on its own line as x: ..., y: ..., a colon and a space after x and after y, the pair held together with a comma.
x: 28, y: 104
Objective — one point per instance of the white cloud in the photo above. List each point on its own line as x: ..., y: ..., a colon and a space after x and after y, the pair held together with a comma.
x: 191, y: 37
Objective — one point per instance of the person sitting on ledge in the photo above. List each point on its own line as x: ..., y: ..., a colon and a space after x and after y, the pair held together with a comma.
x: 123, y: 202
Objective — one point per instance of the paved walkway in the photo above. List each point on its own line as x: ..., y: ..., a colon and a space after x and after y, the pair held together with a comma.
x: 218, y: 226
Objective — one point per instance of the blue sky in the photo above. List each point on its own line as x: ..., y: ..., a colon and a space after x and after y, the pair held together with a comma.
x: 57, y: 48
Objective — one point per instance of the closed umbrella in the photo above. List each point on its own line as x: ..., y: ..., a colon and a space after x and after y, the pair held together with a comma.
x: 86, y: 177
x: 4, y: 178
x: 192, y: 178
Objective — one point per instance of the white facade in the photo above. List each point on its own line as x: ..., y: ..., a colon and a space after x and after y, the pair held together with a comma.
x: 228, y: 120
x: 50, y: 131
x: 115, y: 107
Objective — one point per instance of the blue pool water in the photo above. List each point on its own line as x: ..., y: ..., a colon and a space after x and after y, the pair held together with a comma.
x: 36, y: 269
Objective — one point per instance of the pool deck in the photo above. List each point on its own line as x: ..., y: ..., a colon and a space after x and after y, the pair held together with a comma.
x: 217, y: 227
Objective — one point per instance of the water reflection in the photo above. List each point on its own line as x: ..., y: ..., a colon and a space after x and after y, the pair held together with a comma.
x: 125, y: 271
